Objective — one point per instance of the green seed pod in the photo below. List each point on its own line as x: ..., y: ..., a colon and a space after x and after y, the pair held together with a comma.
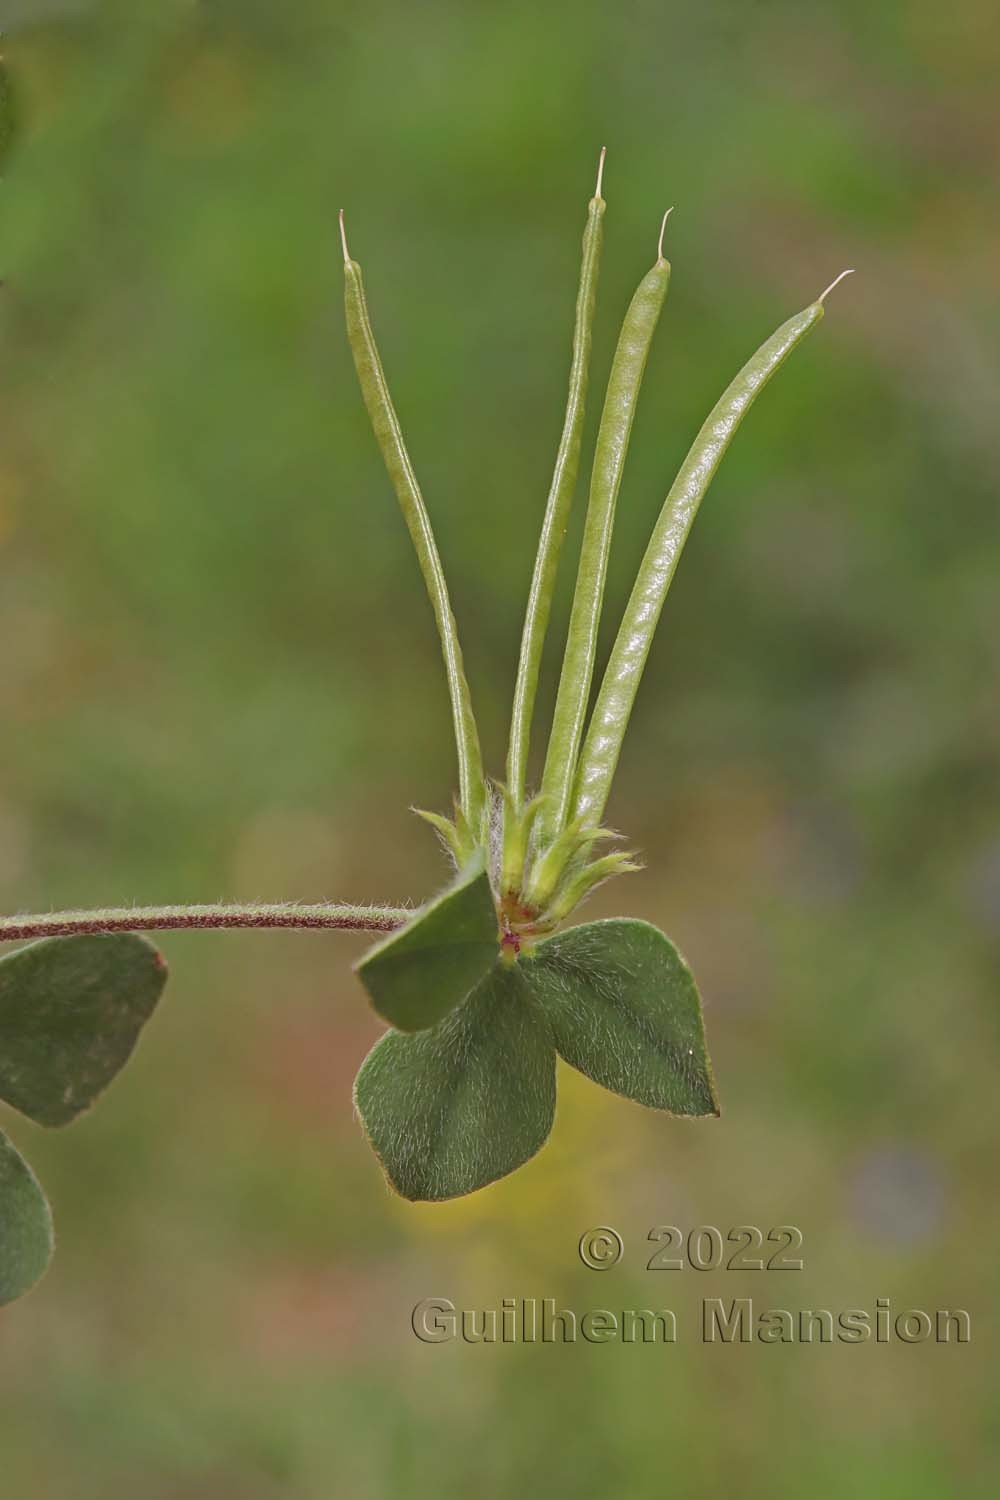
x: 627, y: 370
x: 559, y: 503
x: 599, y: 756
x: 388, y: 433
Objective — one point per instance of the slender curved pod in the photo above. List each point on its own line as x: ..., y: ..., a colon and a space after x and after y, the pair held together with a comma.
x: 613, y: 436
x: 389, y: 435
x: 558, y: 505
x: 608, y: 723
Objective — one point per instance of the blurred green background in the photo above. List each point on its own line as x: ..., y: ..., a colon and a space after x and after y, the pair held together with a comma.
x: 221, y: 680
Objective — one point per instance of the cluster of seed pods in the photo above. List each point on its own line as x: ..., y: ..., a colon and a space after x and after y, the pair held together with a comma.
x: 541, y: 860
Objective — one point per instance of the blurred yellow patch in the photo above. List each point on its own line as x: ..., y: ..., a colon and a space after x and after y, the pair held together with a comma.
x: 10, y: 495
x: 963, y: 41
x: 41, y: 76
x: 564, y: 1184
x: 210, y: 98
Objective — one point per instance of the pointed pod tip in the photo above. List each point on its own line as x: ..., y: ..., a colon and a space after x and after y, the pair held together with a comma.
x: 835, y: 282
x: 663, y: 226
x: 343, y: 238
x: 600, y: 171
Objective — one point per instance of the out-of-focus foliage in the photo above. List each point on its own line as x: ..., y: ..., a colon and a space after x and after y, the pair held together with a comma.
x: 221, y: 679
x: 6, y: 112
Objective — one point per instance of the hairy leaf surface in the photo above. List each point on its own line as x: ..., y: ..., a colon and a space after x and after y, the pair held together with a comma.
x: 418, y: 974
x: 26, y: 1237
x: 453, y: 1108
x: 71, y: 1010
x: 624, y: 1009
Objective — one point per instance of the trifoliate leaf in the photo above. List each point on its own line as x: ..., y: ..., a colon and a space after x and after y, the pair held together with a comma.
x: 26, y: 1238
x: 623, y: 1008
x: 418, y: 974
x: 453, y: 1108
x: 71, y: 1010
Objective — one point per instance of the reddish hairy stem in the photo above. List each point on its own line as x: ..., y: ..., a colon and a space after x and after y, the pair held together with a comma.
x: 160, y: 918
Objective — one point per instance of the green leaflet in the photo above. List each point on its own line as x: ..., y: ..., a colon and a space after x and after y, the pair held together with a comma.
x: 624, y: 1009
x: 420, y: 973
x: 26, y: 1237
x: 451, y: 1109
x: 71, y: 1010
